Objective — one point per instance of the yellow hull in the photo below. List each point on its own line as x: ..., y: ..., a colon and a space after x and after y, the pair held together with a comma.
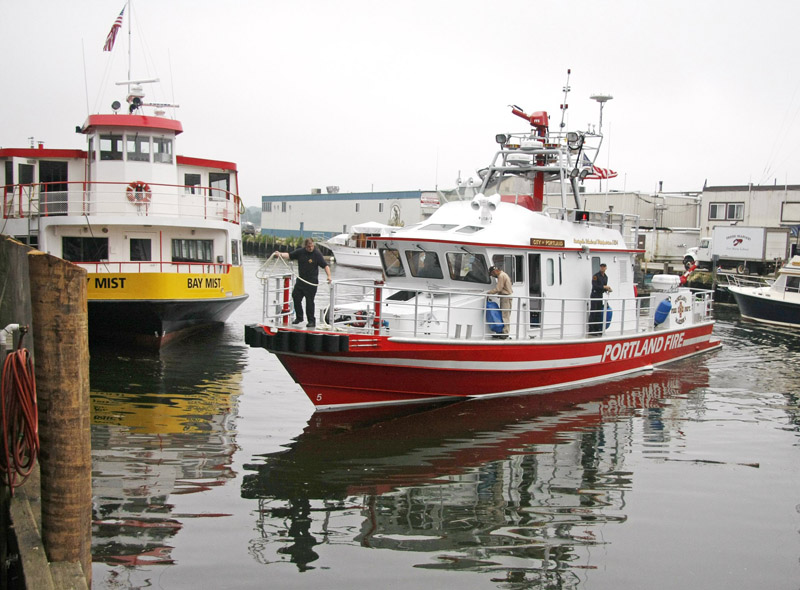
x: 165, y: 286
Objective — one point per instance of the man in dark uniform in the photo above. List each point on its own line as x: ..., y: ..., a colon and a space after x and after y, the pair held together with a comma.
x: 309, y: 261
x: 599, y: 286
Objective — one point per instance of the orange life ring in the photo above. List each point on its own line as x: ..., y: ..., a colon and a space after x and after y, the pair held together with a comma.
x: 139, y: 192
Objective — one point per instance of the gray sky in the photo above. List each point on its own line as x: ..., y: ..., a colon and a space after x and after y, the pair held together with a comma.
x: 403, y: 95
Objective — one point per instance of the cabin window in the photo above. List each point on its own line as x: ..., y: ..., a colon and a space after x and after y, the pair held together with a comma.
x: 392, y: 263
x: 192, y: 250
x: 162, y: 150
x: 110, y: 147
x: 793, y: 284
x: 140, y: 250
x: 511, y: 265
x: 424, y: 264
x: 191, y: 183
x: 469, y: 229
x: 726, y: 211
x: 438, y: 226
x: 236, y: 246
x: 220, y: 183
x: 550, y: 272
x: 470, y: 268
x: 76, y: 249
x: 138, y: 148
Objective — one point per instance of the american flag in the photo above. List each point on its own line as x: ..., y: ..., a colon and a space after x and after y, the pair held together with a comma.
x: 112, y: 34
x: 597, y: 173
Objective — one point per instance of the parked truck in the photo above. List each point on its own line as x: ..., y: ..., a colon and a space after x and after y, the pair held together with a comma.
x: 758, y: 250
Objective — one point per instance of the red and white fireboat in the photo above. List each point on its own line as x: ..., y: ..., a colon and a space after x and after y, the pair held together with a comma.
x: 429, y: 331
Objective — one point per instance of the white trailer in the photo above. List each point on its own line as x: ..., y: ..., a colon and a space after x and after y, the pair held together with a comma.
x: 746, y: 249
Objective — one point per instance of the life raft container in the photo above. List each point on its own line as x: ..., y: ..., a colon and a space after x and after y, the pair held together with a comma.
x: 139, y: 192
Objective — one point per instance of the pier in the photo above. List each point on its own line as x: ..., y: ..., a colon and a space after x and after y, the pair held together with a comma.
x: 48, y: 511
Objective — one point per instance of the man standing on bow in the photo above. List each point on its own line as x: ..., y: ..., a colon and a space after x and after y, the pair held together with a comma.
x: 309, y: 261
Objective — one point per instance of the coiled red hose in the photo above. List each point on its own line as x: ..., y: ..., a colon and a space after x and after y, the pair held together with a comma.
x: 19, y: 416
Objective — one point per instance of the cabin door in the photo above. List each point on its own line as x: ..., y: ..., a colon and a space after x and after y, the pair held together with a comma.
x: 535, y: 288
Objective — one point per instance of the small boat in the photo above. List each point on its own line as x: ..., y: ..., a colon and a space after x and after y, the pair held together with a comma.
x: 158, y: 233
x: 359, y: 247
x: 430, y: 330
x: 777, y: 303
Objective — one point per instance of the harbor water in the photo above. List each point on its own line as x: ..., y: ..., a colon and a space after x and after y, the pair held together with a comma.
x: 212, y: 470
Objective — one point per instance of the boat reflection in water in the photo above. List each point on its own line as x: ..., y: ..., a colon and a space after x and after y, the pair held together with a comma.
x: 159, y: 429
x: 513, y: 486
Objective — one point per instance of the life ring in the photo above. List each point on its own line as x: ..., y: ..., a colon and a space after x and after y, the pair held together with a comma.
x: 139, y: 192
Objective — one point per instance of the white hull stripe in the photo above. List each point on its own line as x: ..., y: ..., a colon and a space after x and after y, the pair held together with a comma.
x: 493, y: 365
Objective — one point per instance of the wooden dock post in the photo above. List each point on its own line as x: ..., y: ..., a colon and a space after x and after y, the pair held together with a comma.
x: 58, y: 300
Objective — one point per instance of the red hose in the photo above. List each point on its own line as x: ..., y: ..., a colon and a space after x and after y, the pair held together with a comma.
x: 20, y: 420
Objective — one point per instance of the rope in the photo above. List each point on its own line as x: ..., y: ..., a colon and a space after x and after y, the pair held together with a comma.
x: 20, y: 422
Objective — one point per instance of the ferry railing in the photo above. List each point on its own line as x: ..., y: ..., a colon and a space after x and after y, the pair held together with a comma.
x: 120, y: 199
x: 112, y: 266
x: 366, y: 307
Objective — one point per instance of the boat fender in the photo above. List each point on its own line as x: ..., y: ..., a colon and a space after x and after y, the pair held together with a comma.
x: 297, y: 341
x: 609, y: 313
x: 139, y: 192
x: 662, y: 311
x: 314, y: 342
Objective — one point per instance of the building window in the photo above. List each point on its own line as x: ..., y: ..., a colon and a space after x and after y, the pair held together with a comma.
x: 110, y: 147
x: 380, y: 207
x: 138, y: 148
x: 266, y: 207
x: 84, y: 249
x: 726, y: 211
x: 141, y: 250
x: 192, y: 250
x: 191, y: 183
x: 357, y: 207
x: 162, y: 150
x: 283, y: 206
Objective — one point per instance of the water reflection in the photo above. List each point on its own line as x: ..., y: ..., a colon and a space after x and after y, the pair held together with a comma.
x: 510, y: 486
x: 162, y: 424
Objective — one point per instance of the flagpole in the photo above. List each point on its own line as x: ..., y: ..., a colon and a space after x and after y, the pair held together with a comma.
x: 130, y: 18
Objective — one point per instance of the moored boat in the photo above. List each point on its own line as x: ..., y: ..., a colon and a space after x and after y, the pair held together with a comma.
x: 359, y: 247
x: 428, y: 332
x: 777, y: 303
x: 158, y: 233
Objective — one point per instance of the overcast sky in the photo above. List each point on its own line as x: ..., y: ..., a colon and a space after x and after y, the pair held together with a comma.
x: 404, y: 95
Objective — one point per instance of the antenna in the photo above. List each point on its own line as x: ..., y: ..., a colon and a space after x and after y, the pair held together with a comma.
x: 565, y: 106
x: 602, y: 99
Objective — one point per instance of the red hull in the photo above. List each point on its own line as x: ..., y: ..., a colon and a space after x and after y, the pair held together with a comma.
x: 378, y: 370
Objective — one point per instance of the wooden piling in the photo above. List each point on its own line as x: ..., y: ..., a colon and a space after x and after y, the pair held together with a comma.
x: 58, y: 299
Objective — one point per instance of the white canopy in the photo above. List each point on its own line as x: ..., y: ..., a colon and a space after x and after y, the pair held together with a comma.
x: 372, y: 227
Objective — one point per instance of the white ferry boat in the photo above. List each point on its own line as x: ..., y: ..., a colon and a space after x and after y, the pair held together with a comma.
x: 159, y: 233
x: 425, y: 333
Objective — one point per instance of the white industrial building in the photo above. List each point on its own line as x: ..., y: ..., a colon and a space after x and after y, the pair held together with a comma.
x: 670, y: 222
x: 324, y: 215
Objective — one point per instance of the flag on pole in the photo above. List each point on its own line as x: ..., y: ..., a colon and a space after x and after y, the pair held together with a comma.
x: 112, y: 34
x: 595, y: 172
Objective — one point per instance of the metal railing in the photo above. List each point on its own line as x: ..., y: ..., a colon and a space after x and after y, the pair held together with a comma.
x: 119, y: 199
x: 369, y: 307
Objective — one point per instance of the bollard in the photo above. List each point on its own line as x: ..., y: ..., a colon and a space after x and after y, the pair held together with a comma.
x: 58, y: 301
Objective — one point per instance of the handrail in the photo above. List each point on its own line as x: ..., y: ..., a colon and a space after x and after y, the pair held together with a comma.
x: 49, y: 199
x: 137, y: 267
x: 460, y: 314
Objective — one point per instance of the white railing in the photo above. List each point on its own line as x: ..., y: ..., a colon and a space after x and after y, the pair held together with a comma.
x: 119, y: 199
x: 368, y: 307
